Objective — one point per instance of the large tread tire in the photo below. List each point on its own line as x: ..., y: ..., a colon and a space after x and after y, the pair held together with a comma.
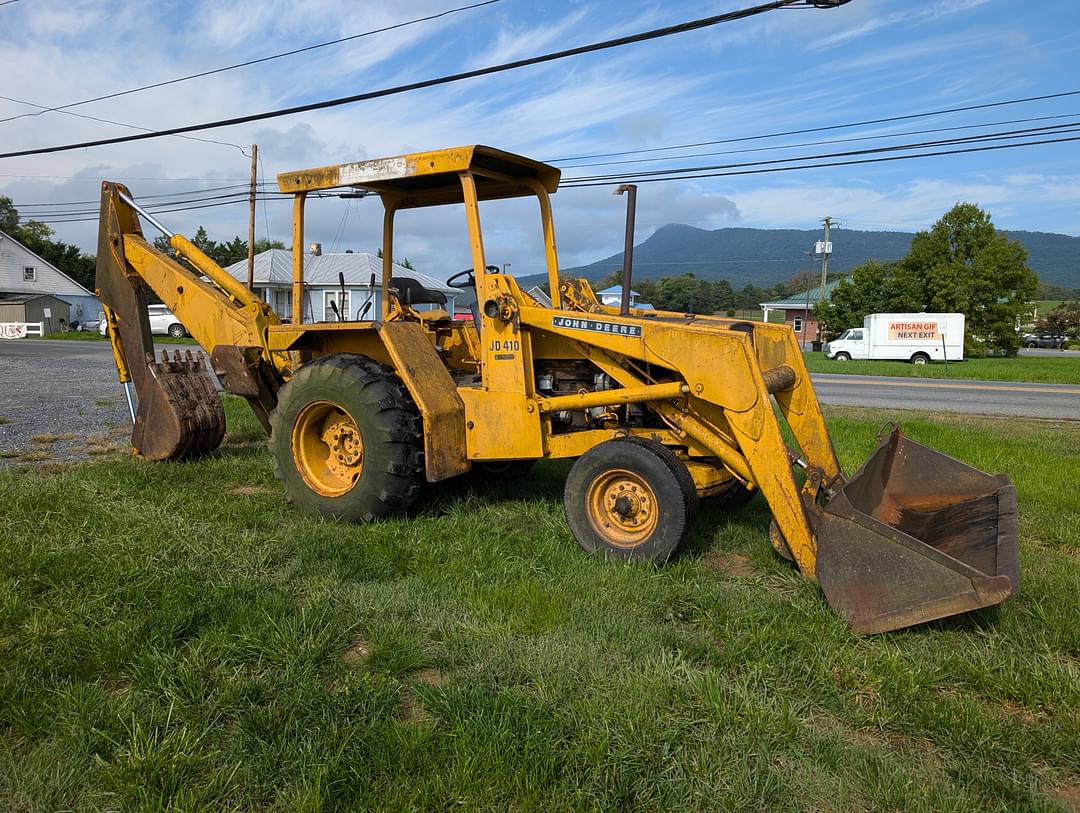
x: 672, y: 502
x: 392, y: 476
x: 736, y: 495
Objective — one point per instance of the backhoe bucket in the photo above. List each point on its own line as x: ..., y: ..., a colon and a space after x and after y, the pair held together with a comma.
x: 916, y: 535
x: 180, y: 413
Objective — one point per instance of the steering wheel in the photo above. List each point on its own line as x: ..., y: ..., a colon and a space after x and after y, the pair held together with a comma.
x: 469, y: 277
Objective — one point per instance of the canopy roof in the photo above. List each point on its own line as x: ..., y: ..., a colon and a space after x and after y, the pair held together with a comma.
x: 429, y: 178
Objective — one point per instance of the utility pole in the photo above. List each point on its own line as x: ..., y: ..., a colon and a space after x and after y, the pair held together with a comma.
x: 251, y: 218
x: 826, y: 250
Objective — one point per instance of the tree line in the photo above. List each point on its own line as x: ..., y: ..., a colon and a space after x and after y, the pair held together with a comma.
x: 69, y: 258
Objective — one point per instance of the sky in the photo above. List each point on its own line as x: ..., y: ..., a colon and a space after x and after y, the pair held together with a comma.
x: 779, y: 71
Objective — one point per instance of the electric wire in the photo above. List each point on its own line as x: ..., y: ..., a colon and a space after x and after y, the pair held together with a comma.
x: 667, y: 31
x: 887, y: 120
x: 404, y: 24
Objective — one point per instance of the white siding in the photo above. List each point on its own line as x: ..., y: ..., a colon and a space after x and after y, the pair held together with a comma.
x: 14, y: 257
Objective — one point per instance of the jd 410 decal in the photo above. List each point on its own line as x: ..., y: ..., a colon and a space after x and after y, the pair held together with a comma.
x: 595, y: 326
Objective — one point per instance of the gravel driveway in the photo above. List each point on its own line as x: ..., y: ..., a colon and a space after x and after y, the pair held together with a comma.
x: 60, y: 401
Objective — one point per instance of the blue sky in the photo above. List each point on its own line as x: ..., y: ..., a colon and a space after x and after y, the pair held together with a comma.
x: 779, y: 71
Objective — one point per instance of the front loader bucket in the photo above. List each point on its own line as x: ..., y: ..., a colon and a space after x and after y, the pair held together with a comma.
x: 916, y: 535
x: 180, y: 414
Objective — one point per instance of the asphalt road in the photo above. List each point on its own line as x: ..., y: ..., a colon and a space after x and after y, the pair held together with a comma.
x: 70, y: 388
x: 1059, y: 401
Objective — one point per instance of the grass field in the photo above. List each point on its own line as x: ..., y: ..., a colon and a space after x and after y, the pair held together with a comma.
x: 1046, y: 369
x: 175, y: 636
x: 94, y: 336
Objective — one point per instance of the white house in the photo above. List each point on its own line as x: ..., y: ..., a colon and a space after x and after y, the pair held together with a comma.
x: 24, y: 276
x: 613, y: 297
x: 273, y: 281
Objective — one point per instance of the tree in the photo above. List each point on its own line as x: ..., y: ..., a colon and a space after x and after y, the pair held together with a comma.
x: 961, y: 264
x: 966, y: 265
x: 9, y: 216
x: 1064, y: 320
x: 872, y: 287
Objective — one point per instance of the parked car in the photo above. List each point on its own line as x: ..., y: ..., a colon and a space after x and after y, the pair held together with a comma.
x: 163, y: 322
x: 1051, y: 340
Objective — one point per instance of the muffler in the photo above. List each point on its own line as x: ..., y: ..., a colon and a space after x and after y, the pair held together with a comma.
x: 914, y: 536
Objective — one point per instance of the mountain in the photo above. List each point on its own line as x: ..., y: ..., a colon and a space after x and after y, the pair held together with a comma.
x: 764, y: 257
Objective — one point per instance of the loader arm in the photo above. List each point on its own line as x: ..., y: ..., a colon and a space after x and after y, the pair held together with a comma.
x: 179, y: 411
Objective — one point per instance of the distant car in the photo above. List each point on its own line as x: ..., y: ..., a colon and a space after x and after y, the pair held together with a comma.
x: 1050, y: 340
x: 163, y: 322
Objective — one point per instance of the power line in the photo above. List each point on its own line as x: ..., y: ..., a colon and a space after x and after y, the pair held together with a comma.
x: 819, y: 143
x: 909, y: 116
x: 1070, y: 127
x: 110, y: 121
x: 766, y: 170
x: 63, y: 107
x: 680, y: 28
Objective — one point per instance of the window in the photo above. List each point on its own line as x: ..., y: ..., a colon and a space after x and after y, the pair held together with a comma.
x: 856, y: 336
x: 283, y: 303
x: 797, y: 324
x: 29, y: 273
x: 341, y: 303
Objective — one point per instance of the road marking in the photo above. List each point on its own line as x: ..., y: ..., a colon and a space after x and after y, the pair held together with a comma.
x: 942, y: 385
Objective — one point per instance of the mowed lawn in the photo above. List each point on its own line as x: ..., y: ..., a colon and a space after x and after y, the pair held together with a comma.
x: 174, y: 636
x: 1046, y: 369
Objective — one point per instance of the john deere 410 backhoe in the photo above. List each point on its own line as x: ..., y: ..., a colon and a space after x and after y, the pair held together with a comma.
x: 658, y: 409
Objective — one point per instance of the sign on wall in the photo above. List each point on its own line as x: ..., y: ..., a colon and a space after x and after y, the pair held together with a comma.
x: 913, y: 331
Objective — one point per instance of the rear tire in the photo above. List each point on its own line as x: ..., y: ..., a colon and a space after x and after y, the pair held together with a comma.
x: 346, y: 440
x: 626, y: 499
x: 177, y: 331
x: 842, y: 357
x: 920, y: 358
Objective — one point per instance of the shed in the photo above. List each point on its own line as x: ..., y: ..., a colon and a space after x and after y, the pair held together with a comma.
x: 24, y: 273
x: 33, y: 308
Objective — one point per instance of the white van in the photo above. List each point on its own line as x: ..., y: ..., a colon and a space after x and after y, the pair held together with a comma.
x: 916, y: 337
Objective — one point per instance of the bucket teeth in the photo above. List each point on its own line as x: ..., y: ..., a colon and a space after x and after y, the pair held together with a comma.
x: 180, y: 415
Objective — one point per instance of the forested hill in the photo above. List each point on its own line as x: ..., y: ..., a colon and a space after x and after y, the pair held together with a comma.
x: 764, y: 257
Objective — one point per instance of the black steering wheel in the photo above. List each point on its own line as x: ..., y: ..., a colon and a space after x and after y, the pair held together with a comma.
x: 469, y: 277
x: 466, y: 275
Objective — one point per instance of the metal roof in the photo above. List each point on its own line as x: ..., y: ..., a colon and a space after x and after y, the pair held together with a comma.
x: 20, y: 299
x: 800, y: 299
x: 274, y: 267
x: 430, y: 178
x: 616, y: 289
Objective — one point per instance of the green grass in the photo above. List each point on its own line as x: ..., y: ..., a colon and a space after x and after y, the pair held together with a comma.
x: 1045, y: 369
x: 4, y: 420
x: 174, y: 636
x: 94, y: 336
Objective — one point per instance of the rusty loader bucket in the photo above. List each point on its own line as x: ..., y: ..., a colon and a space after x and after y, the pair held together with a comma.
x: 180, y: 414
x: 916, y: 535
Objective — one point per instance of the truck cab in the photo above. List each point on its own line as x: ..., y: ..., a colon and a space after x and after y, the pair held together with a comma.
x: 851, y: 344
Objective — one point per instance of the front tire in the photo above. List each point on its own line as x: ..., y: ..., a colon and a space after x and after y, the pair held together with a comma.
x: 177, y: 331
x: 842, y: 357
x: 346, y: 440
x: 626, y: 499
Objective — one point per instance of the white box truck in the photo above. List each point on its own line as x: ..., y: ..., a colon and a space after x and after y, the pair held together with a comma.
x: 916, y: 337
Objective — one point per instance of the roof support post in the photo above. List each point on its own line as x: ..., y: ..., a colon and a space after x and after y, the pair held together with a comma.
x: 298, y: 258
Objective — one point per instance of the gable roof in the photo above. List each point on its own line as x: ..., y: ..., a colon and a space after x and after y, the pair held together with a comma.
x: 274, y: 267
x: 800, y: 299
x: 50, y: 279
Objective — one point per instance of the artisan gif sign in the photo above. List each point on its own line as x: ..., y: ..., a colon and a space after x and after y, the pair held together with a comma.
x: 913, y: 331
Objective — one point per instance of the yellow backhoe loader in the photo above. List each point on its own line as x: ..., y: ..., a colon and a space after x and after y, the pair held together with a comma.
x: 658, y: 409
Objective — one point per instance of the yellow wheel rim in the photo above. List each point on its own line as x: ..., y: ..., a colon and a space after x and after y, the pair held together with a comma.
x: 622, y: 508
x: 327, y: 448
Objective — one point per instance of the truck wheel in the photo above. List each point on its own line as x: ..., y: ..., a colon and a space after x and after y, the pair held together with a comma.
x: 625, y: 499
x: 346, y: 440
x: 842, y: 357
x: 920, y: 358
